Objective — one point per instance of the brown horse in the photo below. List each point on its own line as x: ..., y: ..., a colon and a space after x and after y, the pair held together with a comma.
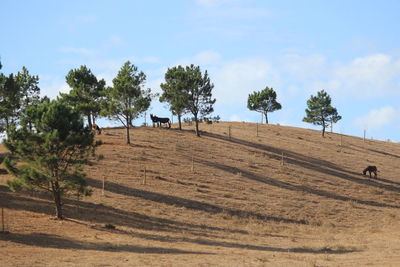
x: 96, y: 128
x: 371, y: 169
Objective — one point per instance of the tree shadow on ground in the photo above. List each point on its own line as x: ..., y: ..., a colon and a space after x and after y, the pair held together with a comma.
x: 304, y: 161
x: 187, y: 203
x: 289, y: 186
x: 99, y: 213
x: 225, y: 244
x: 54, y: 241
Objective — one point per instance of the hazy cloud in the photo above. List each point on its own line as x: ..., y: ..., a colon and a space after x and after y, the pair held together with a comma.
x: 377, y: 118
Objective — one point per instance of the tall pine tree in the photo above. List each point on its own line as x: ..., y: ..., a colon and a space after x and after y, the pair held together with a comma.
x: 50, y: 157
x: 176, y: 81
x: 127, y: 99
x: 198, y: 94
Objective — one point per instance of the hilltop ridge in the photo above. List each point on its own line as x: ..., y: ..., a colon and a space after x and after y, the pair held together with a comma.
x: 235, y: 196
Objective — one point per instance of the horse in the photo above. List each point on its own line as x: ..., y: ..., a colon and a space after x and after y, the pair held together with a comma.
x: 158, y: 120
x: 96, y: 128
x: 371, y: 169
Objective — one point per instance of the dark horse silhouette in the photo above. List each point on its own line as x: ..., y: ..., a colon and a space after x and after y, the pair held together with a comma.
x: 371, y: 169
x: 159, y: 121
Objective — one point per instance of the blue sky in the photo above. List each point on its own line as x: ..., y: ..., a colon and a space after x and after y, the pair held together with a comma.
x: 351, y: 49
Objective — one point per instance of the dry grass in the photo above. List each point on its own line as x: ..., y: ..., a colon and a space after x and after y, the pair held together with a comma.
x: 286, y: 197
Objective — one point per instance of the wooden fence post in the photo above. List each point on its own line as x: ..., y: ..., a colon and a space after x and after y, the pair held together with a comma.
x: 144, y: 179
x: 102, y: 190
x: 2, y: 220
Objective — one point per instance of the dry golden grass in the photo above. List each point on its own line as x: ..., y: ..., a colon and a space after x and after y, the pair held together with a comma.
x: 287, y: 197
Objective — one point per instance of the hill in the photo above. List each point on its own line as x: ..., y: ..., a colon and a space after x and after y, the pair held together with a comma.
x: 279, y: 196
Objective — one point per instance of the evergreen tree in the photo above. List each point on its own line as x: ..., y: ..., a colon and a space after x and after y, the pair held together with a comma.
x: 10, y: 101
x: 126, y: 100
x: 50, y: 157
x: 264, y: 102
x: 29, y: 91
x: 174, y: 91
x: 198, y: 94
x: 86, y: 93
x: 320, y: 111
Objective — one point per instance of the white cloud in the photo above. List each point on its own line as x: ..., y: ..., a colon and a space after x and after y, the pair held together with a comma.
x: 365, y: 77
x: 377, y: 118
x: 207, y: 57
x: 236, y: 117
x: 234, y: 80
x: 203, y: 58
x: 51, y: 86
x: 304, y: 67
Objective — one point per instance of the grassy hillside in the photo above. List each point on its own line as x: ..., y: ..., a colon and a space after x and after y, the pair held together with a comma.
x: 281, y: 197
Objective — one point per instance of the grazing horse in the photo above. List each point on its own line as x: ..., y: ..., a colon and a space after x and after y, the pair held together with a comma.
x: 158, y: 120
x: 96, y: 128
x: 371, y: 169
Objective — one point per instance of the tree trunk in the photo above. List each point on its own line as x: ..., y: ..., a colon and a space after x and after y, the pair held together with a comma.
x: 89, y: 120
x: 179, y: 120
x: 57, y: 201
x: 323, y: 129
x: 128, y: 138
x: 266, y: 117
x: 197, y: 125
x: 7, y: 124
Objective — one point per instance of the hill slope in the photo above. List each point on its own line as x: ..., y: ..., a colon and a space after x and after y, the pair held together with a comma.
x: 284, y: 197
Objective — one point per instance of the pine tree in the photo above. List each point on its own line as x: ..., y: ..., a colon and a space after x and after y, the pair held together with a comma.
x: 127, y: 99
x: 264, y: 102
x: 198, y: 94
x: 320, y: 111
x: 29, y: 91
x: 50, y: 157
x: 174, y: 91
x: 86, y: 93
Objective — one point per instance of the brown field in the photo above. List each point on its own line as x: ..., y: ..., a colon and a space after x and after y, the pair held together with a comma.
x: 287, y: 197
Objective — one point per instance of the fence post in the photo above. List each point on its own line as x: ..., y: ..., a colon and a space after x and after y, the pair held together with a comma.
x: 144, y: 179
x: 102, y: 190
x: 2, y: 220
x: 229, y: 132
x: 192, y: 163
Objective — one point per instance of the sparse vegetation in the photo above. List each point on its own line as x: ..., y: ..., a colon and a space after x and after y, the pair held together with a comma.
x: 109, y: 226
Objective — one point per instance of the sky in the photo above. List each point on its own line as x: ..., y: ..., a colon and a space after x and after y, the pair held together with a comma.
x: 350, y: 49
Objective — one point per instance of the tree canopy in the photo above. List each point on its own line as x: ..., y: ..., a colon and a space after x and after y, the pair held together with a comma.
x: 198, y: 94
x: 86, y: 92
x: 263, y: 101
x: 127, y: 99
x: 50, y: 157
x: 320, y: 111
x: 176, y: 81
